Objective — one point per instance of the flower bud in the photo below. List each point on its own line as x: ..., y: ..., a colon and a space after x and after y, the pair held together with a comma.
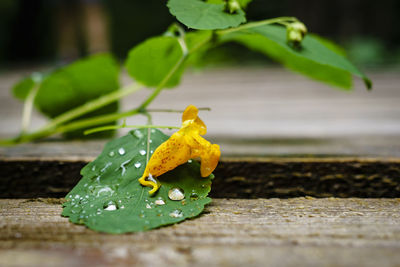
x: 295, y: 32
x: 232, y: 6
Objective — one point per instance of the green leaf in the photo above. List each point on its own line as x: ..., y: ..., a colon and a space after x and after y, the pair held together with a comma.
x: 151, y: 62
x: 77, y: 83
x: 242, y: 3
x: 22, y: 88
x: 314, y: 59
x: 111, y: 181
x: 200, y: 15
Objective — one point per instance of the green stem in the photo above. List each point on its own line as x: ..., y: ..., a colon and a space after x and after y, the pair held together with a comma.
x: 185, y: 54
x: 115, y: 127
x: 279, y: 20
x: 93, y: 105
x: 57, y: 124
x: 28, y: 107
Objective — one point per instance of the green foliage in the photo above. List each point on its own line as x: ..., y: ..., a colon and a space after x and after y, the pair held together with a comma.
x: 77, y: 83
x: 111, y: 182
x: 200, y: 15
x: 313, y: 59
x: 71, y: 95
x: 151, y: 61
x: 22, y: 88
x: 242, y: 3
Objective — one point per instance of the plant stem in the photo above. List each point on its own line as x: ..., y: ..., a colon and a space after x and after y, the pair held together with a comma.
x: 57, y: 125
x: 28, y: 107
x: 93, y: 105
x: 279, y: 20
x: 115, y: 127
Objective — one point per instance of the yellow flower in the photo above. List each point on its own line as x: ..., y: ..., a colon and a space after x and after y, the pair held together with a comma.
x: 183, y: 145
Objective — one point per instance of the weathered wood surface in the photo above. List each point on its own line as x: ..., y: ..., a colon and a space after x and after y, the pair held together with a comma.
x: 263, y: 232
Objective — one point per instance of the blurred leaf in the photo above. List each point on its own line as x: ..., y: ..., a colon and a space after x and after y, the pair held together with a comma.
x: 314, y: 59
x: 151, y: 61
x: 77, y: 83
x: 242, y: 3
x: 330, y: 44
x: 367, y: 51
x: 193, y: 40
x: 200, y: 15
x: 22, y: 88
x: 110, y: 199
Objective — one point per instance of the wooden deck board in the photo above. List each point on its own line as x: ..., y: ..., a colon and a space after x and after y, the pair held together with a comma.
x: 291, y: 232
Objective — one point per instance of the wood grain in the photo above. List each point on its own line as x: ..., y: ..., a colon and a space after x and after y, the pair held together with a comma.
x: 263, y: 232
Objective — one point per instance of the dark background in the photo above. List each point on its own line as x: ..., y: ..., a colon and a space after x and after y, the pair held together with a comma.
x: 43, y: 31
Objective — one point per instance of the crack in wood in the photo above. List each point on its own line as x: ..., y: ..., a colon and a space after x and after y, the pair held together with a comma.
x: 251, y: 178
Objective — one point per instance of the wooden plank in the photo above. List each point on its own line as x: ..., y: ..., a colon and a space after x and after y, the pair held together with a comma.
x: 235, y: 178
x: 262, y: 232
x: 360, y: 146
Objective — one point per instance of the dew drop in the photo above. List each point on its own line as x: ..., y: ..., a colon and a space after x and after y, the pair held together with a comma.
x: 150, y: 141
x: 111, y: 154
x: 159, y: 202
x: 142, y: 152
x: 138, y: 164
x: 108, y: 164
x: 190, y: 161
x: 122, y: 207
x: 148, y: 206
x: 176, y: 213
x: 194, y: 196
x: 176, y: 194
x: 123, y: 166
x: 138, y: 134
x: 121, y: 151
x: 93, y: 168
x: 110, y: 206
x: 153, y: 131
x: 105, y: 190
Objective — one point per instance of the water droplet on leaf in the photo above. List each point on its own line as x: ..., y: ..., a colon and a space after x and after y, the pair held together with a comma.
x: 176, y: 194
x: 194, y: 196
x: 121, y: 151
x: 148, y: 206
x: 138, y: 134
x: 176, y: 214
x: 159, y: 202
x: 142, y: 152
x: 111, y: 154
x: 110, y: 206
x: 138, y: 164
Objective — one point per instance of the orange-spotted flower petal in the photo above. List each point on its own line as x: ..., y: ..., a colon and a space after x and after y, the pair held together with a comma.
x: 183, y: 145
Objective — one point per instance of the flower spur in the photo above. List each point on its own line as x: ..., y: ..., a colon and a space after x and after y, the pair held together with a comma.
x: 182, y: 146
